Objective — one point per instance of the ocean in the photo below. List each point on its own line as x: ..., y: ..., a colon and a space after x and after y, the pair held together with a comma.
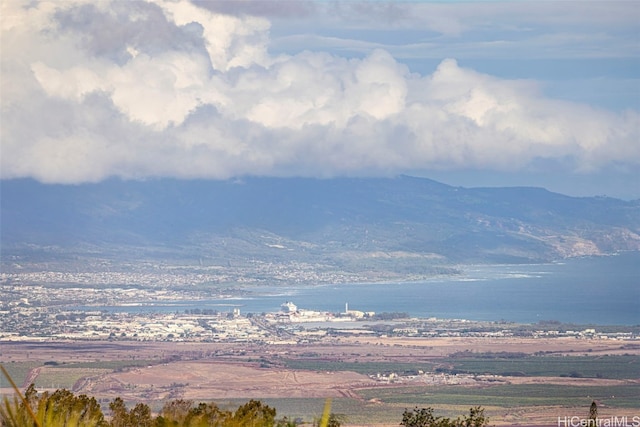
x: 589, y: 290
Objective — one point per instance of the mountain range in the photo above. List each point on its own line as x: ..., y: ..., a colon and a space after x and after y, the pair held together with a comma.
x: 404, y: 223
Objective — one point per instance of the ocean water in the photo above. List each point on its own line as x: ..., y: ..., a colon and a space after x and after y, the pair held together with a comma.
x: 589, y: 290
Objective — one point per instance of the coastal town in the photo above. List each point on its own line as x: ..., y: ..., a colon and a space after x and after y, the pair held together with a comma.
x: 160, y: 340
x: 30, y: 312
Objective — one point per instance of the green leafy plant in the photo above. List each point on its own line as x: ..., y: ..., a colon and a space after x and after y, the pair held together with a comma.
x: 424, y: 417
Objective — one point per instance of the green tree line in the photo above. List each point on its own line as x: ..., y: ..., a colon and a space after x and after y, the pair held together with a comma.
x: 424, y: 417
x: 64, y: 409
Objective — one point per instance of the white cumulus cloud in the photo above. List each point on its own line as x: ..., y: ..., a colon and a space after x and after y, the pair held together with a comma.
x: 169, y: 88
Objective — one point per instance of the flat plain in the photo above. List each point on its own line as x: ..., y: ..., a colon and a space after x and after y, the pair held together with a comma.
x: 519, y: 381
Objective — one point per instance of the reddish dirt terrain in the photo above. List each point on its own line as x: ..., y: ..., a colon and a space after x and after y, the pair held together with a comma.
x: 213, y: 380
x: 206, y: 371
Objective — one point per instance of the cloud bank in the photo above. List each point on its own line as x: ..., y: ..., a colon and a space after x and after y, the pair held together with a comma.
x: 92, y: 90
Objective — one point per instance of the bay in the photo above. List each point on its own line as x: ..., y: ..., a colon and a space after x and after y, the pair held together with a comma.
x: 589, y: 290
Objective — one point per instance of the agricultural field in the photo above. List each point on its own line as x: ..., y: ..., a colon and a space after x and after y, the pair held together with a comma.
x: 605, y: 366
x: 608, y: 366
x: 370, y: 383
x: 510, y: 396
x: 368, y: 368
x: 54, y: 375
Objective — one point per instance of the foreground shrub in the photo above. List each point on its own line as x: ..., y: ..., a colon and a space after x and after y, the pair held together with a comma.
x: 423, y: 417
x: 64, y: 409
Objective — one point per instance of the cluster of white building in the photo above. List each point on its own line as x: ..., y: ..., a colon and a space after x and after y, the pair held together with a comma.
x: 289, y: 312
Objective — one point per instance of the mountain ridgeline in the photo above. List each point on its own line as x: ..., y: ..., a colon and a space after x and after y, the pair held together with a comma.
x: 366, y: 222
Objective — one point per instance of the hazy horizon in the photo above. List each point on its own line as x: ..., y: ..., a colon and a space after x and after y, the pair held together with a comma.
x: 471, y: 94
x: 579, y: 186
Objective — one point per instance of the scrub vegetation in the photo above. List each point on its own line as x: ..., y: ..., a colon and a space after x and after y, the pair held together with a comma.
x: 63, y: 408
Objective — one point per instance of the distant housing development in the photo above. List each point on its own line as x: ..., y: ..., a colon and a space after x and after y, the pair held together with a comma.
x: 34, y: 317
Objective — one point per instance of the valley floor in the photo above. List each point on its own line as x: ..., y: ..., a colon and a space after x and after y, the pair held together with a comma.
x: 535, y: 381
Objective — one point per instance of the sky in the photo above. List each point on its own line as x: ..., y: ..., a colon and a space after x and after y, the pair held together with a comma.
x: 500, y: 93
